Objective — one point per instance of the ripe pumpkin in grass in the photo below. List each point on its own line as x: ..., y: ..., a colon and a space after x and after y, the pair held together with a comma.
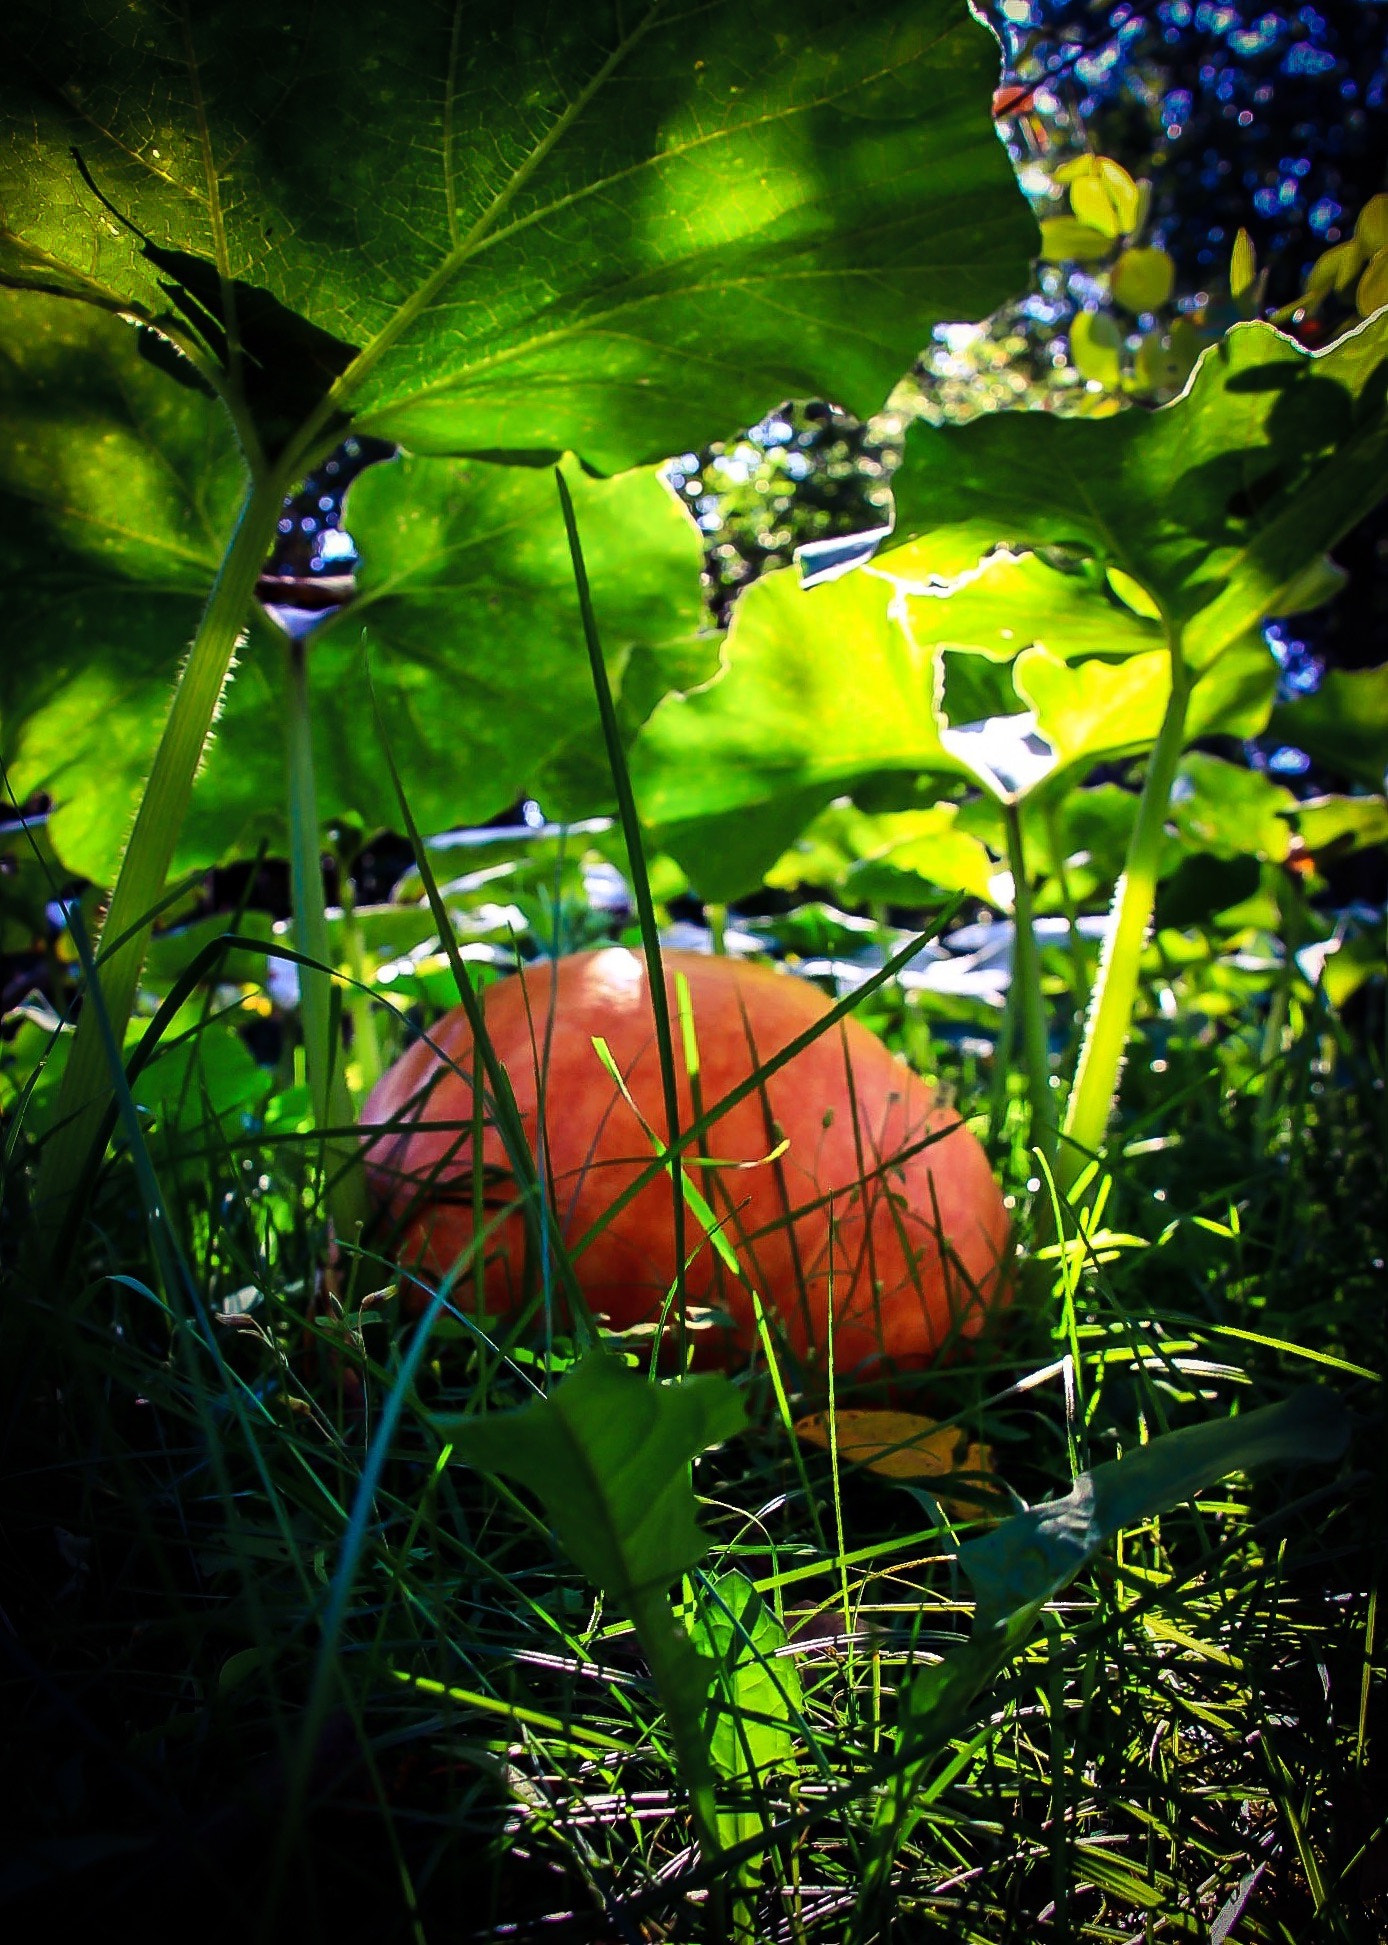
x: 841, y: 1174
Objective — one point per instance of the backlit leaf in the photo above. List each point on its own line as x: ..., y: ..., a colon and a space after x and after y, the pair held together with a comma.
x: 753, y: 1696
x: 117, y: 492
x: 1096, y: 347
x: 544, y: 229
x: 1142, y: 280
x: 1214, y: 504
x: 1064, y: 239
x: 1102, y: 193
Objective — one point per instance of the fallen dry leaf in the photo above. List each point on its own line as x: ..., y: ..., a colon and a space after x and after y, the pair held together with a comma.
x: 904, y: 1445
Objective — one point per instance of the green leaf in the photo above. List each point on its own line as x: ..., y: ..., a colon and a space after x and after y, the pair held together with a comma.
x: 754, y: 1693
x: 593, y: 230
x: 1093, y: 710
x: 896, y: 857
x: 864, y: 679
x: 117, y: 493
x: 607, y: 1455
x: 1243, y: 266
x: 1335, y: 825
x: 1371, y: 230
x: 1032, y: 1556
x: 1142, y: 280
x: 1229, y: 811
x: 1064, y: 239
x: 1166, y: 359
x: 1344, y: 725
x: 467, y: 624
x: 1012, y: 602
x: 1371, y: 292
x: 1214, y: 504
x: 1335, y: 271
x: 821, y: 687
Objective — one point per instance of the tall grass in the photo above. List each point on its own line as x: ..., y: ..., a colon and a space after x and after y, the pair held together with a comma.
x: 229, y: 1505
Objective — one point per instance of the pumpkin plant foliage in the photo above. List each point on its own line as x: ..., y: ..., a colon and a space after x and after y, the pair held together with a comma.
x: 117, y: 491
x: 545, y: 231
x: 1013, y: 638
x: 608, y: 229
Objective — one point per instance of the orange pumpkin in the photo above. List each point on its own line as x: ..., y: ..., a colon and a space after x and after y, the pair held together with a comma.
x: 842, y: 1179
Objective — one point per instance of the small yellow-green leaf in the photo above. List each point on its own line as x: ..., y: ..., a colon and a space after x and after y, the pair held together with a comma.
x: 1142, y: 280
x: 1372, y: 293
x: 1102, y: 194
x: 1133, y: 595
x: 1371, y: 231
x: 1243, y: 266
x: 1064, y: 239
x: 1335, y: 270
x: 1096, y: 346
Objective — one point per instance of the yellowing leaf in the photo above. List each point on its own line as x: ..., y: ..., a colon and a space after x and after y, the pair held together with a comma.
x: 1243, y: 266
x: 1372, y: 293
x: 1142, y: 280
x: 1066, y: 240
x: 1096, y: 345
x: 1371, y: 231
x: 1102, y: 194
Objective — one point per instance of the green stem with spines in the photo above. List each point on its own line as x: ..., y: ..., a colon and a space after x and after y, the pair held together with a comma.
x: 85, y: 1091
x: 1115, y: 989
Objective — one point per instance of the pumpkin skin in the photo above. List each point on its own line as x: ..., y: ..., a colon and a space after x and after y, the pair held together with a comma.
x: 900, y: 1297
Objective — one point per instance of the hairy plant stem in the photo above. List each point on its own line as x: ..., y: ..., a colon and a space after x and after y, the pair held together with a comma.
x: 1115, y: 988
x: 332, y: 1105
x: 85, y: 1093
x: 1026, y: 986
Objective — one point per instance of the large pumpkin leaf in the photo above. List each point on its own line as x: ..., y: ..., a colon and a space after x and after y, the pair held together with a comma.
x: 466, y: 626
x: 868, y: 679
x: 610, y: 229
x: 1011, y: 602
x: 822, y: 689
x: 1219, y: 505
x: 117, y: 490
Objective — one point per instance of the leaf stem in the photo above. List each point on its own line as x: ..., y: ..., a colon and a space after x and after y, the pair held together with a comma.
x: 1115, y: 988
x: 1031, y: 1002
x: 85, y: 1092
x: 327, y: 1082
